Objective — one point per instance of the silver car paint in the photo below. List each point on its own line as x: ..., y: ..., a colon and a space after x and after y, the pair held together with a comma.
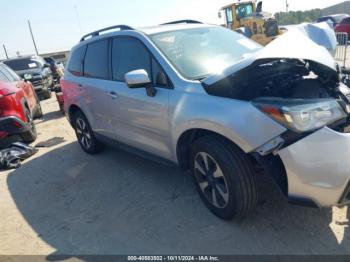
x: 155, y: 124
x: 284, y: 46
x: 318, y: 166
x: 171, y: 112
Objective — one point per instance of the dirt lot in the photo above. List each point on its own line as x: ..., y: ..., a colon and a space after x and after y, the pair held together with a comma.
x: 62, y: 201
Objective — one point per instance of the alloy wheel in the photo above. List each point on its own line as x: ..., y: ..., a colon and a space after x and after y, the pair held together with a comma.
x: 83, y: 133
x: 211, y: 180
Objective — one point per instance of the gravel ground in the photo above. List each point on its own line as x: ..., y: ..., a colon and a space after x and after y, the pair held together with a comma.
x: 63, y: 201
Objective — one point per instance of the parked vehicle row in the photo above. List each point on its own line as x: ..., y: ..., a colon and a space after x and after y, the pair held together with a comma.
x: 19, y: 105
x: 57, y: 69
x: 36, y: 70
x: 218, y: 104
x: 339, y: 22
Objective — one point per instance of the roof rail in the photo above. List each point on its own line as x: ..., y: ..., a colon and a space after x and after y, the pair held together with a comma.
x: 188, y: 21
x: 97, y: 33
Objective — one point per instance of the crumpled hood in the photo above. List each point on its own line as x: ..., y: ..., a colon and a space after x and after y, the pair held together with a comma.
x: 294, y: 44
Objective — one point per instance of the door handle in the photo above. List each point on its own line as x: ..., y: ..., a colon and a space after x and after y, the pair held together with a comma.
x: 113, y: 94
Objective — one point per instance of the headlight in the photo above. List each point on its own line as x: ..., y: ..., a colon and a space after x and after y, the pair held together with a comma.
x: 301, y: 115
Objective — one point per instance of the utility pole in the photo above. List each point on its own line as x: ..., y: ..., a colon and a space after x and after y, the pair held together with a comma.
x: 7, y: 57
x: 287, y: 6
x: 31, y: 33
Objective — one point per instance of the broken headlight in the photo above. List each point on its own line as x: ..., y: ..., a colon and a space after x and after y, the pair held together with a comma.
x: 301, y: 115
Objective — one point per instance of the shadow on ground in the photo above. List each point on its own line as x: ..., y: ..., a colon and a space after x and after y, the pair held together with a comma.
x: 118, y: 203
x: 50, y: 116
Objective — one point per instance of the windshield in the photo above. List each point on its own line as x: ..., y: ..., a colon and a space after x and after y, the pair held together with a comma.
x: 244, y: 10
x: 197, y: 53
x: 23, y: 64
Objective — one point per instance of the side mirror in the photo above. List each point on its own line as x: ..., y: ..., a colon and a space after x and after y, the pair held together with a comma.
x: 46, y: 65
x: 27, y: 77
x: 140, y: 79
x: 219, y: 14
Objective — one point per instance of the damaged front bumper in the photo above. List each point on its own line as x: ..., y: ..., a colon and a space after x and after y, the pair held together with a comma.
x: 318, y: 168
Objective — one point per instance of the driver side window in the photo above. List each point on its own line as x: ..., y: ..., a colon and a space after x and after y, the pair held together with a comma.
x: 130, y: 54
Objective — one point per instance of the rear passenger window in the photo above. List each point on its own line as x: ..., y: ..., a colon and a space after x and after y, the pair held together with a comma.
x: 129, y: 54
x: 96, y: 60
x: 76, y: 61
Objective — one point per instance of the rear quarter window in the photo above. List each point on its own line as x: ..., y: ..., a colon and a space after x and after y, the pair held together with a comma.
x: 75, y: 65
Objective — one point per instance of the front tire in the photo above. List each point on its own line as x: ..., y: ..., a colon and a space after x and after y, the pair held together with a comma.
x: 224, y: 177
x: 85, y: 135
x: 31, y: 134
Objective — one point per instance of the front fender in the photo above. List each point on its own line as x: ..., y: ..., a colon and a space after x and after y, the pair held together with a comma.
x: 239, y: 121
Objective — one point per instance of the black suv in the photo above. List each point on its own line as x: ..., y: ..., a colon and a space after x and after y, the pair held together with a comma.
x: 35, y: 70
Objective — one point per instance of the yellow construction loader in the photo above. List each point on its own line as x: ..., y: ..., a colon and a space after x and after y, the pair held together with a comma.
x: 247, y: 18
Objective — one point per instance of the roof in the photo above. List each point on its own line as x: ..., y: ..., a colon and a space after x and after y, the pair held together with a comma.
x: 172, y: 26
x: 335, y: 15
x: 21, y: 57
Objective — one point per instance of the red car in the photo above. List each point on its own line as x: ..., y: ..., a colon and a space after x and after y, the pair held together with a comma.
x: 19, y: 105
x: 343, y: 26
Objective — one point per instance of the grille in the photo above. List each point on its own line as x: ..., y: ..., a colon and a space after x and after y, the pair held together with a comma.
x: 37, y: 82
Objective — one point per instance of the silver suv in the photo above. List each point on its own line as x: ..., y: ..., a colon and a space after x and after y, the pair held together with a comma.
x: 216, y: 103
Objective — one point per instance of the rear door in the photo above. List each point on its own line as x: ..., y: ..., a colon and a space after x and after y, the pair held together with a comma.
x: 95, y: 84
x: 139, y: 120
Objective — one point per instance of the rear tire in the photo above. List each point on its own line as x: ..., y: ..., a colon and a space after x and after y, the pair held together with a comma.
x: 47, y: 94
x: 224, y: 177
x: 31, y: 134
x: 39, y: 111
x: 85, y: 135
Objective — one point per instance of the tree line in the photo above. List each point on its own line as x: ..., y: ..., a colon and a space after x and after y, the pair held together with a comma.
x: 297, y: 17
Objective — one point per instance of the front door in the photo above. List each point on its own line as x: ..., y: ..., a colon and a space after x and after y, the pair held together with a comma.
x: 139, y: 120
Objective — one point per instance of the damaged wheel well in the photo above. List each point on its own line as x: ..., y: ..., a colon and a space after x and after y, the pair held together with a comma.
x: 271, y: 164
x: 184, y: 144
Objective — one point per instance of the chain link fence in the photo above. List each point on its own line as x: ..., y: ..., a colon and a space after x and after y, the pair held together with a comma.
x: 341, y: 52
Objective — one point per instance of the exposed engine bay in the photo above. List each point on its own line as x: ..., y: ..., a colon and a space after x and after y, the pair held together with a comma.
x: 284, y: 79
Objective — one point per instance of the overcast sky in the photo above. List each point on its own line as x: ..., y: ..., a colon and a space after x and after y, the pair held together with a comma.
x: 58, y: 25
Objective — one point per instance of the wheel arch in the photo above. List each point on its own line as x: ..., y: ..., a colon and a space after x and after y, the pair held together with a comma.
x: 271, y: 165
x: 72, y: 110
x: 186, y: 139
x: 25, y: 105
